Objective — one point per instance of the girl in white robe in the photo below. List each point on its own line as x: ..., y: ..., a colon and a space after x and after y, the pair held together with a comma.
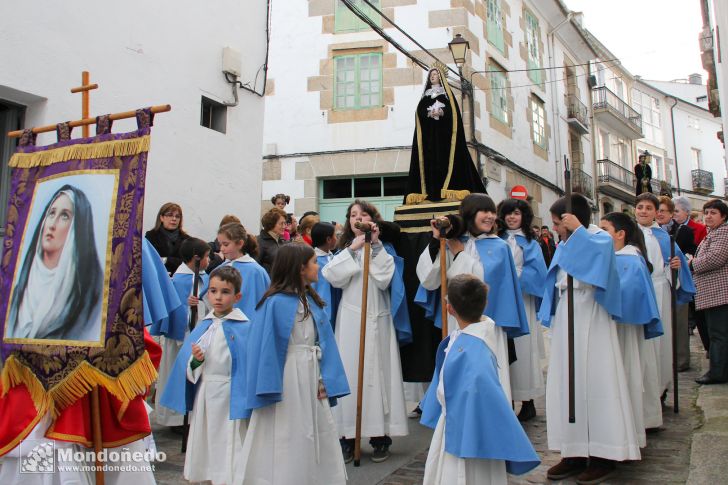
x: 383, y: 405
x: 292, y: 437
x: 527, y: 382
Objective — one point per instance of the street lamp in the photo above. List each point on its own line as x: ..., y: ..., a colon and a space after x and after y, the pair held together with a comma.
x: 459, y: 48
x: 648, y: 156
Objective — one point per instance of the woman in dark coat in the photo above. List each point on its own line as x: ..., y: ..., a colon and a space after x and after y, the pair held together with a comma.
x: 271, y: 237
x: 168, y: 235
x: 441, y: 166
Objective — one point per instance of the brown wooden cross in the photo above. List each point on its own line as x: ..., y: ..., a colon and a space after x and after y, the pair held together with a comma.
x: 85, y: 98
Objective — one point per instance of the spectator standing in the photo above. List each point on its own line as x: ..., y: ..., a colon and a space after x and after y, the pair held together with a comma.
x: 167, y: 235
x: 710, y: 269
x: 548, y: 247
x: 682, y: 216
x: 271, y: 237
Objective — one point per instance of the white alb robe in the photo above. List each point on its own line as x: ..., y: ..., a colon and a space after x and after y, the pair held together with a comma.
x: 383, y: 405
x: 442, y: 468
x: 467, y: 262
x: 295, y: 440
x: 527, y: 380
x: 604, y: 424
x: 215, y: 443
x: 661, y: 282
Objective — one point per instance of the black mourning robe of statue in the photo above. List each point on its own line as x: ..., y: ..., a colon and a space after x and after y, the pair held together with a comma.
x: 440, y: 165
x: 643, y: 171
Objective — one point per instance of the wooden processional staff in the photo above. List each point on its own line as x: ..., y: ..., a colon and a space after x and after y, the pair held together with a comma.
x: 673, y: 325
x: 366, y: 228
x: 443, y: 224
x: 570, y: 303
x: 85, y: 122
x: 191, y: 325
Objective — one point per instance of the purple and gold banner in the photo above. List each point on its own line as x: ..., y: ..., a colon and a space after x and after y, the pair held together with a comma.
x: 70, y: 301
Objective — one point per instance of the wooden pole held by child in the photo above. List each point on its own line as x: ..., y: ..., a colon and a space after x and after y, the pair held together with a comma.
x: 673, y: 324
x: 367, y: 229
x: 570, y: 303
x: 443, y: 224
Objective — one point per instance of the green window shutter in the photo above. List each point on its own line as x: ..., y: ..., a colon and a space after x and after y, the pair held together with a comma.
x: 495, y: 25
x: 533, y: 35
x: 499, y: 95
x: 346, y: 21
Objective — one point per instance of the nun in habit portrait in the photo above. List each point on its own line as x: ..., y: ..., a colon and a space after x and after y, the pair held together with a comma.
x: 58, y: 294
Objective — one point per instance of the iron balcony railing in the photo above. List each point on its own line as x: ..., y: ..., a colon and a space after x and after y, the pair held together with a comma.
x: 610, y: 172
x: 582, y: 183
x: 576, y: 109
x: 703, y: 181
x: 603, y: 98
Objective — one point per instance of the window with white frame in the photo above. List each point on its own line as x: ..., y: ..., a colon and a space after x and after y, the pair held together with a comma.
x: 696, y: 159
x: 499, y: 94
x: 533, y: 35
x: 649, y: 108
x: 494, y: 25
x: 346, y: 21
x: 358, y: 81
x: 538, y: 122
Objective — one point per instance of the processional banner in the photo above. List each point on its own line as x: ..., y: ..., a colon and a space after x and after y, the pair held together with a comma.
x: 71, y: 297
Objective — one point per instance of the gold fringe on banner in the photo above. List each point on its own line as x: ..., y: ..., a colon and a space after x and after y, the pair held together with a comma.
x: 104, y: 149
x: 132, y: 382
x: 454, y: 194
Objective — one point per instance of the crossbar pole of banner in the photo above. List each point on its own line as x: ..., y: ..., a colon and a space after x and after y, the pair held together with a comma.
x: 162, y: 108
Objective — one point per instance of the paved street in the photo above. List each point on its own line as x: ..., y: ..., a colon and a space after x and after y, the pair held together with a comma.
x: 666, y: 459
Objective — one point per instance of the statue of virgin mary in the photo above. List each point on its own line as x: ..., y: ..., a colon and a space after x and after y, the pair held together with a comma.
x: 441, y: 166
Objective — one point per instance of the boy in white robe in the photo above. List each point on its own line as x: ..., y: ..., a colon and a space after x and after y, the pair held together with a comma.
x: 210, y: 369
x: 477, y: 437
x: 603, y: 431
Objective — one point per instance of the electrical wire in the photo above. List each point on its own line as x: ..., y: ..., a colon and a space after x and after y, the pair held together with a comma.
x: 540, y: 84
x: 254, y: 88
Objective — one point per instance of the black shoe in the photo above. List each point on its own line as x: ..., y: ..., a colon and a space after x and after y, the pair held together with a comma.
x: 706, y: 379
x: 416, y: 413
x: 347, y: 449
x: 663, y: 397
x: 527, y: 412
x: 566, y: 468
x: 381, y: 453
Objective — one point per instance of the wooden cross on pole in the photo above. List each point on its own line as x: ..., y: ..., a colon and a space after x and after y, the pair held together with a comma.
x: 84, y: 89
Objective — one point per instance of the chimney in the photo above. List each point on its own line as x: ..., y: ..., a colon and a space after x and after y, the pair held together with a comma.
x: 695, y: 78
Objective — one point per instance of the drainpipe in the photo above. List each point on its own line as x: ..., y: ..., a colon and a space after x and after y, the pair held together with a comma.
x: 556, y: 114
x: 674, y: 145
x: 595, y: 134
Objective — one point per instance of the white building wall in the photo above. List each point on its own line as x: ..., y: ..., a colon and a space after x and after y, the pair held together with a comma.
x: 146, y: 53
x: 297, y: 123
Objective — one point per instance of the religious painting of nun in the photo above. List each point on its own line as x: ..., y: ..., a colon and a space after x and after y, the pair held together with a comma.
x: 58, y: 289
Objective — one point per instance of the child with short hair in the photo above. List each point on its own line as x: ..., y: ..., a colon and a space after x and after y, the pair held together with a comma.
x: 173, y: 330
x: 657, y: 241
x: 477, y: 437
x: 640, y: 321
x: 604, y: 430
x: 324, y: 240
x: 239, y: 248
x: 295, y: 374
x: 209, y: 381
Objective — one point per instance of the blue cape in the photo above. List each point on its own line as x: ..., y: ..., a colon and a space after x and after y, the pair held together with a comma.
x: 328, y: 293
x: 686, y: 289
x: 255, y: 284
x: 533, y: 276
x: 479, y: 422
x: 179, y: 394
x: 159, y: 298
x: 589, y: 258
x: 397, y: 295
x: 639, y: 304
x: 176, y: 325
x: 505, y: 299
x: 268, y: 346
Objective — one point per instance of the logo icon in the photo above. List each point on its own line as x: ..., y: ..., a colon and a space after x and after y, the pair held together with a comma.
x: 37, y: 456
